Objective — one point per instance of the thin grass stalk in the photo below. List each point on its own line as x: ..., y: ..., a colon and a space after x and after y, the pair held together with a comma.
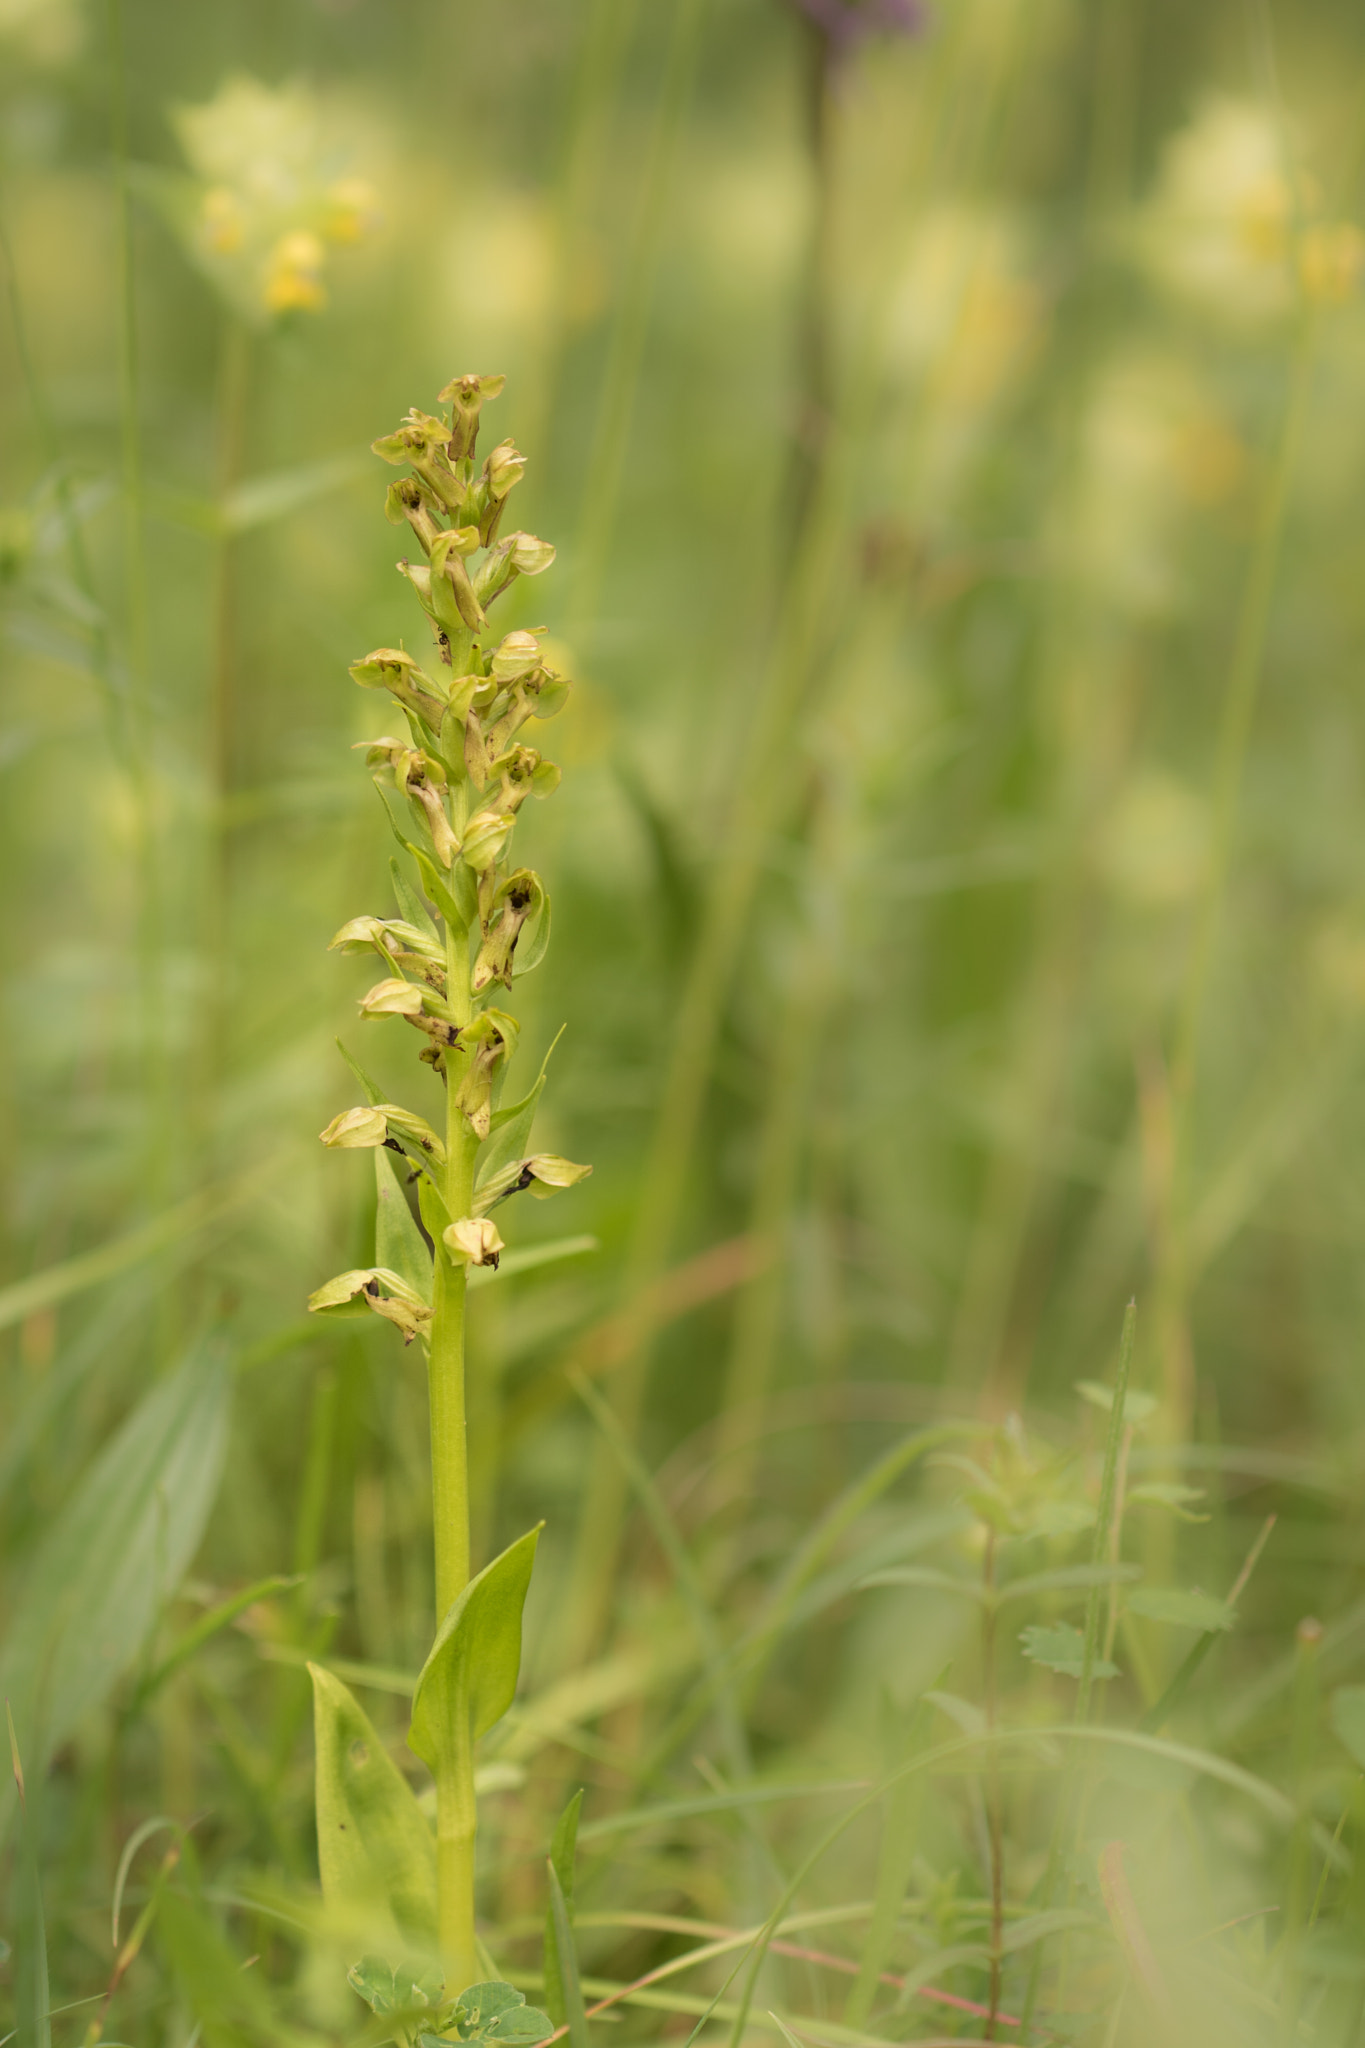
x: 1304, y: 1709
x: 1236, y: 715
x: 1084, y: 750
x: 1070, y: 1803
x: 995, y: 1819
x: 148, y: 910
x: 231, y: 409
x: 601, y: 54
x: 625, y: 351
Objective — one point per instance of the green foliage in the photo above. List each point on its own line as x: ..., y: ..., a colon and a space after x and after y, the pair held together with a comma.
x: 96, y: 1586
x: 1060, y: 1647
x: 563, y: 1861
x: 375, y: 1852
x: 495, y: 2012
x: 953, y: 442
x: 470, y: 1677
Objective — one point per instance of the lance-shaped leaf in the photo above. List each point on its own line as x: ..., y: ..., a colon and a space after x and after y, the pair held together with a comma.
x: 376, y: 1853
x: 511, y: 1126
x: 376, y: 1288
x: 470, y: 1679
x: 398, y: 1243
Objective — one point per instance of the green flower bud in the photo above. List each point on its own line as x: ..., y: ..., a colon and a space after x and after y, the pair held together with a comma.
x: 519, y: 898
x: 473, y: 1241
x: 515, y: 656
x: 485, y: 836
x: 489, y: 1039
x: 375, y: 1288
x: 393, y: 998
x: 356, y: 1130
x: 530, y: 557
x: 390, y: 937
x: 504, y: 469
x: 517, y: 554
x: 421, y: 777
x: 549, y: 693
x: 371, y: 1126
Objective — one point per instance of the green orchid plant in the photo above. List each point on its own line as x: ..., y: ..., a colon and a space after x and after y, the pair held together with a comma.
x: 468, y: 921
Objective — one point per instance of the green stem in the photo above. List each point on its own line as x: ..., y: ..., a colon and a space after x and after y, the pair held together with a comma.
x: 456, y: 1814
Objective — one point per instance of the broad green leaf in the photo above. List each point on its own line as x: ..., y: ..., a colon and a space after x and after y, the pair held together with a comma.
x: 470, y: 1679
x: 1196, y: 1610
x: 1348, y: 1720
x: 563, y: 1855
x: 398, y: 1243
x: 116, y: 1552
x: 1060, y: 1647
x: 376, y: 1853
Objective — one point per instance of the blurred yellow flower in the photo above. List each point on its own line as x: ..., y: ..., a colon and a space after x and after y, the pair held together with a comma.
x: 269, y: 199
x: 1152, y: 444
x: 1236, y: 229
x: 293, y: 280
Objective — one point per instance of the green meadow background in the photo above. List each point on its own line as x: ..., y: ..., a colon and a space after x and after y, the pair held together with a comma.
x: 951, y: 421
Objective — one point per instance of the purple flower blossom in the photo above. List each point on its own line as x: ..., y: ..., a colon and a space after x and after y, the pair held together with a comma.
x: 846, y: 23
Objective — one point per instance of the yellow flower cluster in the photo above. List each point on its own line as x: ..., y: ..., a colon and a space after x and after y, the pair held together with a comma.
x: 266, y: 208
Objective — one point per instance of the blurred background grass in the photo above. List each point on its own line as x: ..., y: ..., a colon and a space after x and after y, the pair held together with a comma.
x: 951, y: 426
